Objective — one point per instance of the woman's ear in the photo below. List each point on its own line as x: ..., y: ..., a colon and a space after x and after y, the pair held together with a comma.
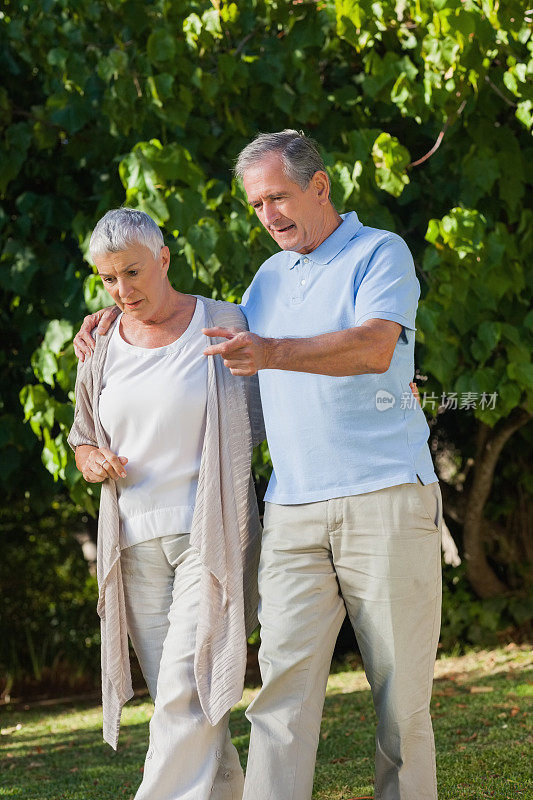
x: 165, y: 259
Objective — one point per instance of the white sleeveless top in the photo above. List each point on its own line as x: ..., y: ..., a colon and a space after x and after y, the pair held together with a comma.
x: 153, y: 409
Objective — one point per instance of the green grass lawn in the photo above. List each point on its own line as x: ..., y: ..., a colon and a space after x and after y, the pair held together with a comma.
x: 482, y: 719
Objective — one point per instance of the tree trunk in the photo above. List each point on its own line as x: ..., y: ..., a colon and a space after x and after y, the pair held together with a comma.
x: 490, y: 444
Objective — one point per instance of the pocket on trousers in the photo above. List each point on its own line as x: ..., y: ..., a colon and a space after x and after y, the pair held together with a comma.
x: 430, y: 502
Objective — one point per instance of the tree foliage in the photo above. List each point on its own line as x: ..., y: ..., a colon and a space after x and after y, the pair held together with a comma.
x: 423, y: 111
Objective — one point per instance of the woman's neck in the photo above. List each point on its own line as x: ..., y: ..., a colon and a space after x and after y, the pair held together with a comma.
x: 164, y: 326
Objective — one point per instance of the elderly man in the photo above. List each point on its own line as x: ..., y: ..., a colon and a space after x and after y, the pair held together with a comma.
x: 353, y: 510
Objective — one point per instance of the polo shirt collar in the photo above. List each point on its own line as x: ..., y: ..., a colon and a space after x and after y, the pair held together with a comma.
x: 332, y: 246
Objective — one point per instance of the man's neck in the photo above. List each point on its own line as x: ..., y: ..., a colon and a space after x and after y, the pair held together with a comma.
x: 331, y: 222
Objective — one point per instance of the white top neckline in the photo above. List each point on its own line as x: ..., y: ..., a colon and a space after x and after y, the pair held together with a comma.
x: 166, y: 349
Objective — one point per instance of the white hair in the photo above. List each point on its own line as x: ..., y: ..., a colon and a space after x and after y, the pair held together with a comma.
x: 298, y: 153
x: 122, y: 227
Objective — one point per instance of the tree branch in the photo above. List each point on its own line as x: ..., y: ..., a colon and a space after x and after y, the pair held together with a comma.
x: 499, y: 93
x: 21, y: 112
x: 490, y: 445
x: 243, y: 41
x: 440, y: 137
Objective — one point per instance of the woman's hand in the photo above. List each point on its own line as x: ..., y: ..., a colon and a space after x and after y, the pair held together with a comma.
x: 96, y: 464
x: 83, y: 341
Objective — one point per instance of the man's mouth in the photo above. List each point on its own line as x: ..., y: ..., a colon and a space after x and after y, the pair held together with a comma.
x: 283, y: 230
x: 132, y: 305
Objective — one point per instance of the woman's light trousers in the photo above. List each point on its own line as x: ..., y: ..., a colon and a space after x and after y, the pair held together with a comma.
x: 187, y: 758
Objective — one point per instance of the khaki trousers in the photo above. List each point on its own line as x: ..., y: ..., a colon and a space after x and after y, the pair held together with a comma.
x: 187, y: 759
x: 376, y: 556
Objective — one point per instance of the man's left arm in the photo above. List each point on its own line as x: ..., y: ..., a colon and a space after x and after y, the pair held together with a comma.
x: 355, y: 351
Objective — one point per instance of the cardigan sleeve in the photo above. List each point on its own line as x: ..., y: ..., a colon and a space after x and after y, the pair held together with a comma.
x: 83, y: 429
x: 230, y: 315
x: 255, y: 410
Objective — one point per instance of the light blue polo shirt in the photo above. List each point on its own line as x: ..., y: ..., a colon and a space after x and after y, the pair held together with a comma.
x: 333, y: 437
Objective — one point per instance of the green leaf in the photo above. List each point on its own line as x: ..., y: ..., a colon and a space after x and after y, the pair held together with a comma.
x: 479, y: 171
x: 524, y: 113
x: 192, y: 28
x: 488, y: 336
x: 112, y: 65
x: 390, y: 159
x: 202, y: 237
x: 94, y: 293
x: 185, y: 208
x: 58, y: 333
x: 161, y: 46
x: 18, y: 267
x: 284, y: 97
x: 523, y: 375
x: 44, y: 365
x: 57, y: 57
x: 341, y: 185
x: 13, y: 153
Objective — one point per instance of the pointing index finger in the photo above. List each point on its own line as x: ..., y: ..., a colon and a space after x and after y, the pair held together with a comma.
x: 218, y: 333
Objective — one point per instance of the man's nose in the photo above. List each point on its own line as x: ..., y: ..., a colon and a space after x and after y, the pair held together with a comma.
x: 270, y: 213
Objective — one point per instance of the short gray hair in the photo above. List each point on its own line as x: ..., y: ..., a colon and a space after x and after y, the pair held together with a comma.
x: 299, y: 155
x: 122, y: 227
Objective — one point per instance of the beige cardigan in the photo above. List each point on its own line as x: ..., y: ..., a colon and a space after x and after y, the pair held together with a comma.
x: 225, y: 530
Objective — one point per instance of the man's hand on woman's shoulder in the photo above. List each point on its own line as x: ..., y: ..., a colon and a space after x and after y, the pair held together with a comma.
x: 101, y: 320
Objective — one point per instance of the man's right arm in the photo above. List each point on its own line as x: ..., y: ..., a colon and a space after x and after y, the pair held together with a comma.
x: 101, y: 320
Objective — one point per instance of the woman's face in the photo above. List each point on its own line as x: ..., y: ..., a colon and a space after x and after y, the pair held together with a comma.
x: 136, y: 281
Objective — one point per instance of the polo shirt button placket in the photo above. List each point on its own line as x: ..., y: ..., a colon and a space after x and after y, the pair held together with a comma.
x: 297, y: 295
x: 305, y: 275
x: 302, y: 275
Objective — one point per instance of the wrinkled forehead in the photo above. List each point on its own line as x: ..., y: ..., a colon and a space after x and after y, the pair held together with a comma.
x: 134, y: 253
x: 267, y: 178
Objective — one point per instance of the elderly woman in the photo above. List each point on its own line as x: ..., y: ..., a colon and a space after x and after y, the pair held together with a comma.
x: 169, y: 435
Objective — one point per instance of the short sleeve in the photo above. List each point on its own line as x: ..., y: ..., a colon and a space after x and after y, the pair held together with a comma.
x: 245, y: 300
x: 389, y: 288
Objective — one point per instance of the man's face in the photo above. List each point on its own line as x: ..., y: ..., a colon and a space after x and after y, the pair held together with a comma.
x: 294, y: 218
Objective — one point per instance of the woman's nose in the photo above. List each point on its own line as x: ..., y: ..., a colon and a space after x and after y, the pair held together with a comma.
x: 124, y: 289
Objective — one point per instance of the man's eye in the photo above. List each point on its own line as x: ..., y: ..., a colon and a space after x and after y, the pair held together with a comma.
x: 108, y: 280
x: 132, y: 272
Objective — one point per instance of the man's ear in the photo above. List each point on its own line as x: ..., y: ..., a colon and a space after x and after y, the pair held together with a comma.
x: 321, y: 185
